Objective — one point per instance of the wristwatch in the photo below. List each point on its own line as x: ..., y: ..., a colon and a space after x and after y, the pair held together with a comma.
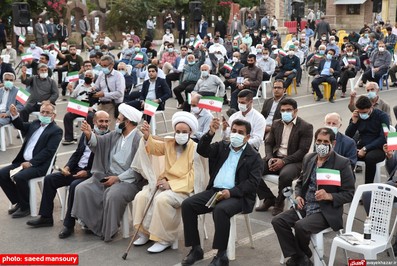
x: 365, y: 149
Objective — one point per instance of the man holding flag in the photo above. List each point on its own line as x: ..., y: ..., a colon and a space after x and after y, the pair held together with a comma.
x: 324, y: 185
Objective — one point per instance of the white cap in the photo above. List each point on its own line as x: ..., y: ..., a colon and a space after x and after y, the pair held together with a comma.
x: 130, y: 112
x: 187, y: 118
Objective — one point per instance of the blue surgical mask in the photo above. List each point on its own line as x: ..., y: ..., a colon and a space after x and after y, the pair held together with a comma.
x: 100, y: 131
x: 105, y: 70
x: 32, y: 45
x: 334, y: 129
x: 286, y: 117
x: 364, y: 116
x: 123, y: 72
x: 191, y: 63
x: 137, y: 49
x: 45, y: 119
x: 8, y: 84
x: 119, y: 127
x: 236, y: 140
x: 97, y: 47
x: 204, y: 74
x: 329, y: 56
x: 371, y: 95
x: 321, y: 52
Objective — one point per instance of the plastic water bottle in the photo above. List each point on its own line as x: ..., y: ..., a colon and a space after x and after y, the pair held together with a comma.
x: 367, y: 231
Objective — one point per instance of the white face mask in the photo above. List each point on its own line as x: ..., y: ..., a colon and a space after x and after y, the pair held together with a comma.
x: 265, y: 56
x: 236, y: 140
x: 181, y: 138
x: 43, y: 75
x: 235, y: 59
x: 381, y: 49
x: 242, y: 107
x: 332, y: 42
x: 8, y: 46
x: 349, y: 53
x: 291, y: 53
x: 195, y: 110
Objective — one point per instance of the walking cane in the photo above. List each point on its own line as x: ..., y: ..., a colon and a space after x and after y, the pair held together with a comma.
x: 287, y: 192
x: 139, y: 226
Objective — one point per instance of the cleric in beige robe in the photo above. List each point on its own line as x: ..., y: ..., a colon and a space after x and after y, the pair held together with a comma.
x: 174, y: 184
x: 100, y: 201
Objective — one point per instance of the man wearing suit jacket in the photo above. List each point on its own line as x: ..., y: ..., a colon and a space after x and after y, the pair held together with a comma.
x: 183, y: 27
x: 7, y: 97
x: 288, y: 141
x: 42, y: 138
x: 75, y: 171
x: 320, y: 204
x: 328, y: 70
x: 235, y: 169
x: 235, y: 26
x: 84, y: 26
x: 154, y: 89
x: 231, y: 75
x: 41, y: 32
x: 4, y: 67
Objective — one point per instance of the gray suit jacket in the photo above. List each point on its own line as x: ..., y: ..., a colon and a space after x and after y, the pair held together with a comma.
x: 11, y: 100
x: 233, y: 28
x: 82, y: 26
x: 40, y: 31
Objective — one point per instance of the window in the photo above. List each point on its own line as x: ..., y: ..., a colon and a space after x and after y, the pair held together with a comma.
x: 353, y: 9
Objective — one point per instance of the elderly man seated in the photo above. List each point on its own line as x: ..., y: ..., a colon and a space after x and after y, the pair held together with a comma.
x: 8, y: 93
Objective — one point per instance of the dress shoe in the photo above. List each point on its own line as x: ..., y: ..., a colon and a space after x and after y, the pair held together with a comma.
x: 304, y: 261
x: 21, y: 213
x: 331, y: 100
x: 159, y: 247
x: 292, y: 261
x: 142, y: 240
x: 66, y: 232
x: 193, y: 256
x: 13, y: 209
x: 267, y: 203
x: 319, y: 99
x: 278, y: 207
x: 41, y: 222
x: 220, y: 261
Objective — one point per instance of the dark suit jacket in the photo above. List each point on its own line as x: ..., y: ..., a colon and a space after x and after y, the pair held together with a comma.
x: 248, y: 172
x: 346, y: 147
x: 4, y: 67
x: 46, y: 145
x: 298, y: 144
x: 162, y: 90
x: 180, y: 25
x: 267, y: 106
x: 76, y: 156
x: 332, y: 210
x: 334, y: 65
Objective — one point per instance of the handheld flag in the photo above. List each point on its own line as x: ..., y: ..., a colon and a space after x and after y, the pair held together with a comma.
x: 138, y: 56
x: 228, y: 66
x: 78, y: 107
x: 26, y: 57
x: 211, y: 103
x: 21, y: 39
x: 22, y: 96
x: 328, y: 177
x: 282, y: 52
x: 197, y: 43
x: 385, y: 129
x: 150, y: 107
x: 73, y: 76
x: 392, y: 141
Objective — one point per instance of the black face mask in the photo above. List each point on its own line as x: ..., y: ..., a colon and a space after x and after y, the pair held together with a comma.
x: 93, y: 63
x: 87, y: 80
x: 251, y: 65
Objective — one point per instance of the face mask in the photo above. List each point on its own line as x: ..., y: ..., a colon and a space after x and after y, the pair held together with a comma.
x: 100, y: 131
x: 381, y: 49
x: 241, y: 51
x: 119, y: 127
x: 8, y: 46
x: 235, y: 47
x: 8, y: 84
x: 181, y: 138
x: 63, y: 48
x: 191, y: 39
x: 321, y: 52
x: 293, y: 39
x: 137, y: 49
x: 191, y: 63
x: 243, y: 107
x: 87, y: 80
x: 167, y: 32
x: 247, y: 35
x: 332, y: 42
x: 219, y: 19
x: 334, y: 129
x: 323, y: 38
x: 364, y: 116
x: 32, y: 45
x: 43, y: 75
x: 170, y: 50
x: 236, y: 140
x: 291, y: 53
x: 235, y: 18
x: 263, y: 39
x: 286, y: 117
x: 263, y: 28
x: 250, y: 64
x: 132, y: 32
x: 235, y: 59
x: 259, y: 51
x: 265, y: 56
x: 204, y: 74
x: 366, y: 35
x: 371, y: 95
x: 105, y: 70
x: 123, y: 72
x: 195, y: 110
x: 349, y: 53
x: 329, y: 56
x: 256, y: 34
x: 45, y: 119
x: 322, y: 150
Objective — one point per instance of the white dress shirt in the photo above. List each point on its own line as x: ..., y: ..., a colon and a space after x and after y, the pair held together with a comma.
x: 28, y: 152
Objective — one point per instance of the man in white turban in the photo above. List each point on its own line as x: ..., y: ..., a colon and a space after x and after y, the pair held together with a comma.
x: 174, y: 184
x: 100, y: 201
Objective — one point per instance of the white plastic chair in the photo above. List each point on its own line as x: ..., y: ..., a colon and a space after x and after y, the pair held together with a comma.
x: 62, y: 193
x: 381, y: 208
x: 264, y: 87
x: 259, y: 94
x: 231, y: 245
x: 125, y: 222
x: 377, y: 177
x: 3, y: 130
x: 39, y: 182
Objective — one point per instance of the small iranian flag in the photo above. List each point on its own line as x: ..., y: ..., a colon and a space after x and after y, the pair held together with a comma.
x: 237, y: 36
x: 138, y: 56
x: 366, y: 47
x: 197, y: 43
x: 78, y: 107
x: 54, y: 43
x: 228, y: 66
x: 211, y: 102
x: 385, y: 129
x: 392, y: 141
x: 150, y: 107
x: 21, y: 39
x: 27, y: 57
x: 318, y: 56
x: 282, y: 52
x: 328, y: 177
x: 73, y: 76
x: 22, y: 96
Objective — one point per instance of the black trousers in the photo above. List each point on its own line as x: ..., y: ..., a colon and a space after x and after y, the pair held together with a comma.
x: 27, y: 110
x: 18, y: 192
x: 367, y: 76
x: 60, y: 71
x: 330, y: 79
x: 297, y: 244
x: 68, y: 123
x: 182, y: 37
x: 266, y: 76
x: 288, y: 79
x: 371, y: 158
x: 345, y: 75
x: 172, y: 77
x: 286, y: 175
x: 186, y: 86
x: 221, y: 214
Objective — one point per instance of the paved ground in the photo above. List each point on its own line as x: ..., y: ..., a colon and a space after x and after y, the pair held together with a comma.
x: 17, y: 237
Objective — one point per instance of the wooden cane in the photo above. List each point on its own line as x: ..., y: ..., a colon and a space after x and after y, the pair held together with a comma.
x: 139, y: 226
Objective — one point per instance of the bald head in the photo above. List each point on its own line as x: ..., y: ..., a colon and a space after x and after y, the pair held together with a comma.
x: 333, y: 120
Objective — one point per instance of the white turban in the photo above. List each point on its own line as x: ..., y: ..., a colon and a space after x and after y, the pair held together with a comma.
x: 130, y: 112
x: 187, y: 118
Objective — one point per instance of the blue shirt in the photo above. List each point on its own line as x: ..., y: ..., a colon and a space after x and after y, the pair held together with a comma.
x: 327, y: 66
x: 227, y: 174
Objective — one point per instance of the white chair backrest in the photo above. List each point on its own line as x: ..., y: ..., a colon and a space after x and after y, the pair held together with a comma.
x: 53, y: 161
x: 129, y: 69
x: 380, y: 210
